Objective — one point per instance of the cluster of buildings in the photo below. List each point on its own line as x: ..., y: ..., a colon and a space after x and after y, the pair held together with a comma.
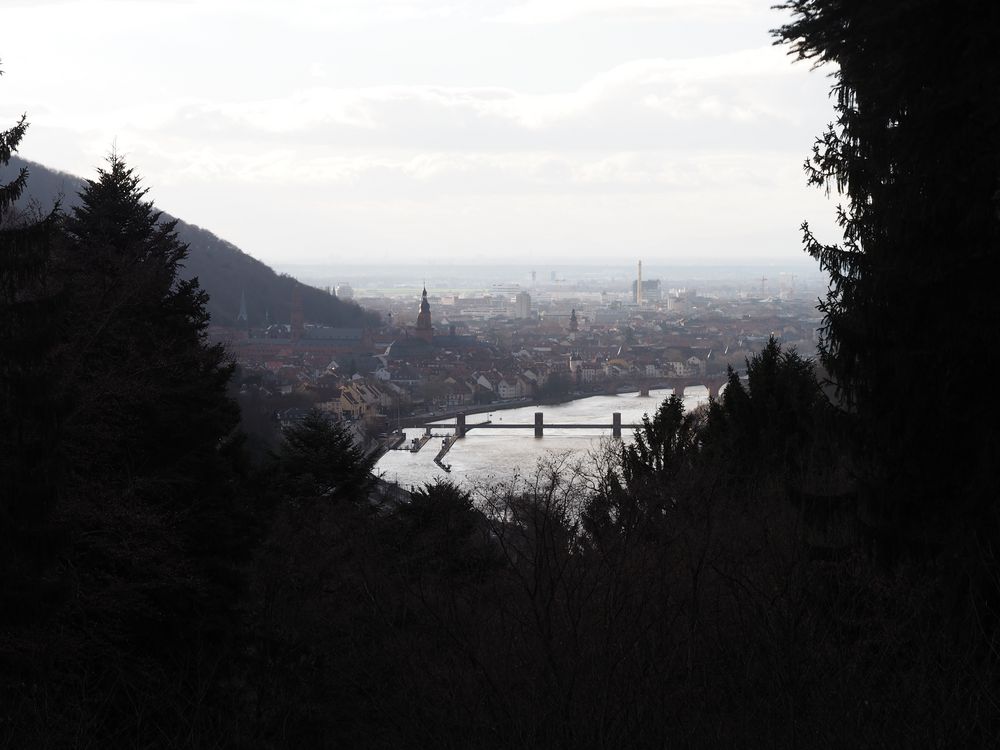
x: 506, y: 346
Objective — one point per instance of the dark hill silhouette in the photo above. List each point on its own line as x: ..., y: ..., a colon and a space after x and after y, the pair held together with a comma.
x: 223, y: 270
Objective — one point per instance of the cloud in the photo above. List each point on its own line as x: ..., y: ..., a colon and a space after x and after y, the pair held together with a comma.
x: 559, y: 11
x: 743, y: 99
x: 103, y: 3
x: 434, y: 174
x: 653, y: 126
x: 400, y: 135
x: 311, y: 15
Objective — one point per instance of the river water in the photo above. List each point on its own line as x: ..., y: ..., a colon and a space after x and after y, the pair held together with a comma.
x: 489, y: 455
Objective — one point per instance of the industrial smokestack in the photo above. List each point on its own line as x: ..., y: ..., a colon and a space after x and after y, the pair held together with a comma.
x: 638, y: 286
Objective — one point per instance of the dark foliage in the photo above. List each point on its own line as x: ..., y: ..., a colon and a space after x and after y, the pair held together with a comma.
x: 318, y: 458
x: 123, y: 619
x: 138, y: 362
x: 661, y: 444
x: 778, y: 423
x: 916, y: 150
x: 441, y: 531
x: 29, y: 466
x: 27, y: 324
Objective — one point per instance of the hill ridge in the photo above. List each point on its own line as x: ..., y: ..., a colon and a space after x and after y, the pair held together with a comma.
x: 223, y: 270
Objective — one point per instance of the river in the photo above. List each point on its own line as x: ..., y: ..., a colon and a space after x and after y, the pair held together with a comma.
x: 487, y: 455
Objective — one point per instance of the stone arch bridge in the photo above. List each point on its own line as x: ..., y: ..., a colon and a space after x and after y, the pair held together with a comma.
x: 713, y: 383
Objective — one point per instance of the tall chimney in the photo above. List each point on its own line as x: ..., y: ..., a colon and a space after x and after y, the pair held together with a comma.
x: 638, y: 286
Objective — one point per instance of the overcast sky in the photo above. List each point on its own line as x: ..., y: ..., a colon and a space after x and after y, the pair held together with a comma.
x: 497, y: 131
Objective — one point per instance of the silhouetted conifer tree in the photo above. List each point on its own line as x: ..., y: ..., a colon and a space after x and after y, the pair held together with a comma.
x: 150, y: 391
x: 770, y: 424
x: 662, y: 445
x: 29, y: 467
x: 148, y: 527
x: 319, y: 458
x: 27, y: 332
x: 916, y: 151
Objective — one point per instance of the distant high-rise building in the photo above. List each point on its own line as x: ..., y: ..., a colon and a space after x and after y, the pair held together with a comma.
x: 677, y: 303
x: 344, y: 291
x: 651, y: 291
x: 505, y: 291
x: 522, y: 305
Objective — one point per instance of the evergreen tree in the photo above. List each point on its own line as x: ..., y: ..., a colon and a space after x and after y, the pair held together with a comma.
x: 29, y: 466
x: 440, y: 529
x: 145, y: 527
x: 319, y: 459
x: 149, y: 421
x: 770, y: 424
x: 644, y: 484
x: 27, y: 329
x: 916, y: 150
x: 661, y: 443
x: 149, y: 391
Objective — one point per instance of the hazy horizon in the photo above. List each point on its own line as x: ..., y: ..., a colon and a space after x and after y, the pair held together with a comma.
x: 406, y: 280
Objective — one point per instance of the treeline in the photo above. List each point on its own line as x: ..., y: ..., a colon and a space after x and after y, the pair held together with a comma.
x: 706, y: 586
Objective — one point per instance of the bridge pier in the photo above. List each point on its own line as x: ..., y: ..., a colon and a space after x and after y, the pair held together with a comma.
x: 460, y: 425
x: 679, y: 391
x: 644, y: 390
x: 427, y: 430
x: 616, y: 424
x: 713, y: 390
x: 538, y: 424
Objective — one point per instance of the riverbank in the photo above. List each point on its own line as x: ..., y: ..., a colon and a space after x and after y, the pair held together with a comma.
x: 419, y: 420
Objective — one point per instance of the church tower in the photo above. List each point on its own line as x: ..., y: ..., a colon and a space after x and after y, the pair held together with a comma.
x: 424, y: 331
x: 242, y: 317
x: 574, y: 324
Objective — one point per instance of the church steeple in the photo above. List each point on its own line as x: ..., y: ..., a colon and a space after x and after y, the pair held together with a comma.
x: 424, y: 331
x: 242, y: 317
x: 574, y: 324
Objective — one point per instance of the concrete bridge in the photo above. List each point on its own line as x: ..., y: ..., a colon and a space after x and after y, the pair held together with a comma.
x: 461, y: 426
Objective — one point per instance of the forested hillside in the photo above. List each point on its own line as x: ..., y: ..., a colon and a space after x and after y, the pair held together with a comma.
x: 222, y: 269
